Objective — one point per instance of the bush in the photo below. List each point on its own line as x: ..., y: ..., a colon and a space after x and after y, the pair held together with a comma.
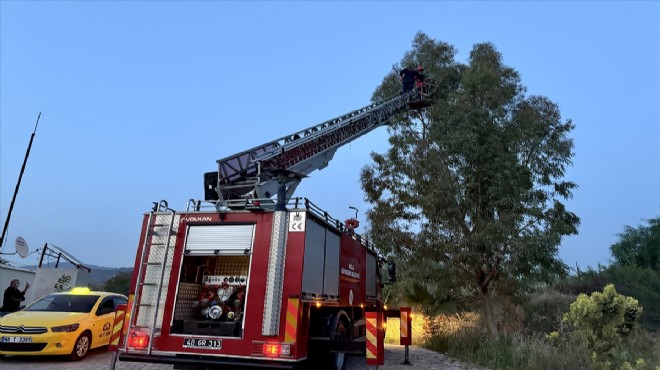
x: 511, y: 352
x: 509, y: 314
x: 604, y: 321
x: 642, y: 284
x: 544, y: 311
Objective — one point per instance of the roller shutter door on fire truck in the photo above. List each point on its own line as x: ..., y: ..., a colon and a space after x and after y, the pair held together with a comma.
x: 219, y: 239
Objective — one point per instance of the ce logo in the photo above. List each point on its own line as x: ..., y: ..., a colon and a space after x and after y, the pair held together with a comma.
x: 297, y: 226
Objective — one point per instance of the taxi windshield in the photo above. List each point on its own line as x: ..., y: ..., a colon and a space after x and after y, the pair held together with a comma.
x: 64, y: 303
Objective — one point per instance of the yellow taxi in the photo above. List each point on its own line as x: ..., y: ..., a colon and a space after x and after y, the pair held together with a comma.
x: 69, y: 323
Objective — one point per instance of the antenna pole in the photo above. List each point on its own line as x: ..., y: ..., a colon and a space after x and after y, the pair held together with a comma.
x: 18, y: 184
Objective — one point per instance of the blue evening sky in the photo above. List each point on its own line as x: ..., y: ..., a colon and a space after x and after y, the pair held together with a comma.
x: 139, y: 99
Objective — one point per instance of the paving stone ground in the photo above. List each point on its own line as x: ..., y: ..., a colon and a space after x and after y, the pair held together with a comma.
x: 100, y: 359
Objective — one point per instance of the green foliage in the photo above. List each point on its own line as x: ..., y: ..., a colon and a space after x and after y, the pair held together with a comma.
x: 473, y: 184
x: 119, y: 283
x: 459, y: 338
x: 422, y: 299
x: 642, y: 284
x: 62, y: 283
x: 639, y: 246
x: 544, y: 311
x: 604, y: 321
x: 584, y: 282
x: 514, y: 352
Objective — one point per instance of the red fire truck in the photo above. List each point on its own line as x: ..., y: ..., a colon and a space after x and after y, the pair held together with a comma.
x: 251, y: 276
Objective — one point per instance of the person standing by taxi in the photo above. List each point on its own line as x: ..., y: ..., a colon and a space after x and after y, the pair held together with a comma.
x: 13, y: 296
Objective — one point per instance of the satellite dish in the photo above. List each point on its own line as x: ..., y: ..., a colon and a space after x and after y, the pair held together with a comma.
x: 22, y: 247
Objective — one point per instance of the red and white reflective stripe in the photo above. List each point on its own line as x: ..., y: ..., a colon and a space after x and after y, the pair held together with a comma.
x: 120, y: 316
x: 372, y: 336
x: 291, y: 328
x: 375, y: 338
x: 406, y: 330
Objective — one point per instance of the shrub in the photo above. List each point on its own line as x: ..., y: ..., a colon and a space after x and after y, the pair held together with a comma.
x: 604, y: 321
x: 642, y: 284
x: 544, y: 311
x: 509, y: 314
x: 512, y: 352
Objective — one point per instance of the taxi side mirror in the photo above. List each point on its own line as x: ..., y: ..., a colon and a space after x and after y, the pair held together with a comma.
x: 105, y: 311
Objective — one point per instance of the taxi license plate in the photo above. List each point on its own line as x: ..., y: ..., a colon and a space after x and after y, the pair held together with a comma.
x: 16, y: 340
x: 202, y: 343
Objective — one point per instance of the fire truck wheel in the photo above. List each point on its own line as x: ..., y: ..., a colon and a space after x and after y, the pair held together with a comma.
x: 338, y: 361
x: 81, y: 347
x: 342, y: 334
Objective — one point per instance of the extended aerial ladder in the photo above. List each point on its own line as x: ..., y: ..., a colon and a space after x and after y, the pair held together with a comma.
x: 260, y: 172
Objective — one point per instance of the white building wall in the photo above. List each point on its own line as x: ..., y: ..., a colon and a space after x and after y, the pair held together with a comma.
x: 65, y: 279
x: 42, y: 281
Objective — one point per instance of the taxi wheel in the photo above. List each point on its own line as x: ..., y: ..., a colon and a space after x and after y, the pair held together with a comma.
x: 81, y: 347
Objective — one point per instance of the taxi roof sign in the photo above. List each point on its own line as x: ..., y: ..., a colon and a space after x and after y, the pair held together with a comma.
x: 80, y: 290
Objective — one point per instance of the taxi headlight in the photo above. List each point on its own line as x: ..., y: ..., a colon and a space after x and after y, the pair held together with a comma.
x: 65, y: 328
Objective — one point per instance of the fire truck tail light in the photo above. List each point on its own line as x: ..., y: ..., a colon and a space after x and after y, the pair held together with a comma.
x: 138, y: 340
x: 271, y: 349
x: 276, y: 349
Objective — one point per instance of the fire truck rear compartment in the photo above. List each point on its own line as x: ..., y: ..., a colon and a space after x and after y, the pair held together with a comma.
x: 208, y: 301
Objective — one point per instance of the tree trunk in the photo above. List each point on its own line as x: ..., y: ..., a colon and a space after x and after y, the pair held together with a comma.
x: 483, y: 282
x: 489, y: 314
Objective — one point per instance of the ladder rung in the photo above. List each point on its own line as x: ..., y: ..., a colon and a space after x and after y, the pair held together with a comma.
x: 144, y: 304
x: 148, y: 284
x: 152, y: 263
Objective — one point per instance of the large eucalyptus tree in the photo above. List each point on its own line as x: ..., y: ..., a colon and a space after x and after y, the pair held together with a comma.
x: 474, y: 184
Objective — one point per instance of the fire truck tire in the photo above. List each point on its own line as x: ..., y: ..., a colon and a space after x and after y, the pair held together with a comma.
x: 338, y: 361
x: 342, y: 333
x: 81, y: 347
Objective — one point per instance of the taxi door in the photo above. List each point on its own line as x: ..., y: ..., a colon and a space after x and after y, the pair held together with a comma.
x: 103, y: 319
